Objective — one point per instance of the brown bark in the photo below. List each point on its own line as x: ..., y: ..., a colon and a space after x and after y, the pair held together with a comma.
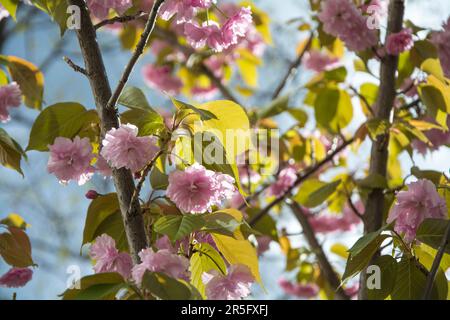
x: 383, y: 108
x: 101, y: 90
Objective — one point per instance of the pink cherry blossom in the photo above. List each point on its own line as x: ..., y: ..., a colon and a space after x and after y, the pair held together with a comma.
x: 161, y: 78
x: 196, y: 189
x: 100, y: 8
x: 209, y: 34
x: 108, y: 258
x: 122, y: 148
x: 419, y: 202
x: 326, y: 223
x: 10, y: 97
x: 441, y: 40
x: 183, y: 9
x: 237, y: 26
x: 3, y: 13
x: 299, y: 290
x: 16, y: 277
x: 233, y: 286
x: 263, y: 244
x: 203, y: 94
x: 164, y: 261
x: 319, y: 61
x: 286, y: 179
x: 398, y: 42
x: 71, y: 160
x: 342, y: 19
x: 103, y: 167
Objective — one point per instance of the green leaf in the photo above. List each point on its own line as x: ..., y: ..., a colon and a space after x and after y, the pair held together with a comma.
x: 65, y: 119
x: 204, y: 259
x: 433, y: 67
x: 388, y: 274
x: 435, y: 94
x: 276, y: 107
x: 410, y: 282
x: 333, y: 109
x: 147, y: 121
x: 337, y: 74
x: 318, y: 196
x: 166, y: 288
x: 29, y: 78
x: 204, y: 114
x: 431, y: 232
x: 362, y: 252
x: 377, y: 127
x: 56, y: 9
x: 134, y: 98
x: 104, y: 216
x: 15, y: 248
x: 10, y: 152
x: 10, y: 6
x: 422, y: 50
x: 433, y: 176
x: 100, y: 286
x: 299, y: 115
x: 177, y: 227
x: 222, y: 222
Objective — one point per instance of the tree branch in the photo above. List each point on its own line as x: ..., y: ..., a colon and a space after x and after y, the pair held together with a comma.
x: 292, y: 69
x: 379, y: 152
x: 300, y: 178
x: 437, y: 261
x: 325, y: 266
x: 121, y: 19
x: 137, y: 53
x: 123, y: 179
x: 74, y: 66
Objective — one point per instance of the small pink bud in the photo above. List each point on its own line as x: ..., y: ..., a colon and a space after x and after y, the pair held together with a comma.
x: 91, y: 194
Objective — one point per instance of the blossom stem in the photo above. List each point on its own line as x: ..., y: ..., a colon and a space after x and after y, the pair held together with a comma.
x: 437, y: 261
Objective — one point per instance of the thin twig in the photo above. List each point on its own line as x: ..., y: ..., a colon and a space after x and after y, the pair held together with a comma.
x: 137, y: 53
x: 364, y: 100
x: 75, y: 67
x: 292, y: 69
x: 121, y: 19
x: 300, y: 178
x: 437, y: 261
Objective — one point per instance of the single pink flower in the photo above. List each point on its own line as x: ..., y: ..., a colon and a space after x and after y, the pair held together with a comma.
x: 419, y: 202
x: 161, y: 78
x: 164, y: 261
x: 122, y: 148
x: 342, y: 19
x: 71, y: 160
x: 309, y: 290
x: 319, y: 61
x: 16, y: 277
x: 196, y: 189
x: 108, y: 258
x: 286, y: 179
x: 100, y: 8
x: 10, y: 97
x: 441, y: 40
x: 398, y: 42
x: 233, y: 286
x: 263, y: 244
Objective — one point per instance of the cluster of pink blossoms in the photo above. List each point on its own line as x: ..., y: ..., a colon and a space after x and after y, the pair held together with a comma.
x: 399, y: 42
x: 331, y: 223
x: 10, y: 97
x: 71, y: 160
x: 309, y: 290
x: 286, y: 179
x: 412, y: 207
x: 320, y: 61
x: 342, y: 19
x: 441, y: 40
x: 122, y: 148
x: 232, y: 286
x: 100, y: 8
x: 108, y: 258
x: 197, y: 190
x: 161, y: 78
x: 16, y: 277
